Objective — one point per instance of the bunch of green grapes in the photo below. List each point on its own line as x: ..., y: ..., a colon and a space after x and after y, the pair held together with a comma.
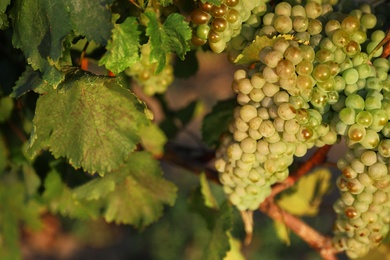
x: 321, y: 79
x: 364, y: 205
x: 218, y: 24
x: 143, y: 72
x: 271, y: 125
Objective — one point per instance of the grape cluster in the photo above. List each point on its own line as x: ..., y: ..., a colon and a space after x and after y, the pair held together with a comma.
x: 322, y: 78
x: 218, y: 24
x: 364, y: 205
x: 272, y: 124
x: 143, y: 72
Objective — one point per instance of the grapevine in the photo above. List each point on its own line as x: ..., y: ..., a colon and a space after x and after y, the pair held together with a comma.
x: 90, y: 132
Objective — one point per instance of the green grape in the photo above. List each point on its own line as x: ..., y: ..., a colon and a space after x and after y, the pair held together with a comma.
x: 368, y: 20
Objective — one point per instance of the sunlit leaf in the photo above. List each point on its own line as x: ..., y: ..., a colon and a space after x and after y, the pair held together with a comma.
x: 93, y: 121
x: 306, y: 196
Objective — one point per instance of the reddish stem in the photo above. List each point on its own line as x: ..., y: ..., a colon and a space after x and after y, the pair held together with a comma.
x: 319, y: 242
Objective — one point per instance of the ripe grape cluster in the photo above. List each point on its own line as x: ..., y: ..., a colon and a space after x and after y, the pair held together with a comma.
x: 321, y: 79
x: 218, y: 24
x: 143, y: 72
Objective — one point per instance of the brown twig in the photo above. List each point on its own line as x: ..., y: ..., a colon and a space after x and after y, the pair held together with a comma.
x: 319, y: 242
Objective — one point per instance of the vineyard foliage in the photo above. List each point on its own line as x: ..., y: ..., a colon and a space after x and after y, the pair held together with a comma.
x: 78, y: 143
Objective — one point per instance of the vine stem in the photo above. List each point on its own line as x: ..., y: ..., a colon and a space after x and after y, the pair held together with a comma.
x: 321, y: 243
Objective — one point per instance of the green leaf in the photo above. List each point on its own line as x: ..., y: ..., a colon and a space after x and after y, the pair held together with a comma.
x: 3, y: 154
x: 92, y: 120
x: 60, y: 200
x: 235, y: 249
x: 283, y: 232
x: 122, y: 49
x: 306, y: 196
x: 134, y: 194
x: 6, y: 107
x: 15, y: 209
x: 40, y: 28
x: 3, y: 16
x: 217, y: 121
x: 251, y: 53
x: 165, y: 2
x: 153, y: 139
x: 172, y: 36
x: 219, y: 244
x: 92, y: 19
x: 209, y: 199
x: 30, y: 80
x: 31, y: 180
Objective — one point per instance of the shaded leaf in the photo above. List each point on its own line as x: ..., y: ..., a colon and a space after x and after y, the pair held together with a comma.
x: 172, y: 36
x: 15, y: 209
x: 3, y: 17
x: 219, y: 244
x: 306, y: 195
x: 40, y: 28
x: 93, y: 121
x: 217, y: 121
x: 6, y: 107
x: 31, y: 179
x: 3, y: 154
x: 165, y: 2
x: 30, y: 80
x: 92, y: 19
x: 122, y: 49
x: 251, y: 53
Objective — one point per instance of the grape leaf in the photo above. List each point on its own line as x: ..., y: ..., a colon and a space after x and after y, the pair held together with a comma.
x: 153, y: 139
x: 91, y: 120
x: 122, y: 49
x: 251, y: 53
x: 219, y: 245
x: 134, y: 194
x: 40, y: 27
x: 59, y: 199
x: 282, y: 232
x: 30, y: 80
x: 172, y: 36
x: 14, y: 209
x: 3, y: 154
x: 3, y: 16
x: 31, y: 180
x: 219, y: 221
x: 217, y: 121
x: 92, y: 19
x: 306, y: 196
x: 6, y: 107
x: 165, y: 2
x: 235, y: 249
x: 209, y: 199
